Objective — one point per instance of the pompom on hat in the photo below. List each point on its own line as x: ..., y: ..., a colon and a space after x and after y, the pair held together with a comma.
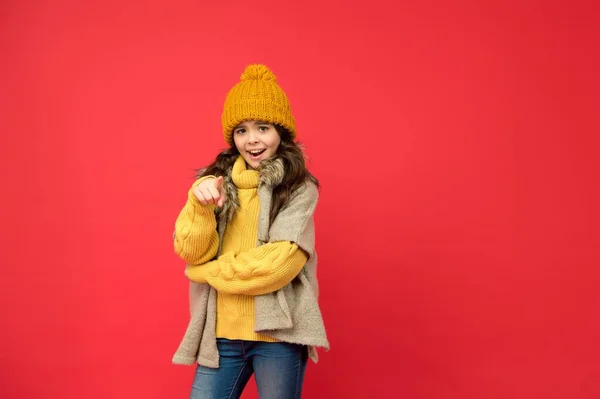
x: 257, y: 96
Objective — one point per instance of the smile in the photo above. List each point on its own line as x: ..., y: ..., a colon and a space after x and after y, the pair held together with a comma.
x: 256, y: 153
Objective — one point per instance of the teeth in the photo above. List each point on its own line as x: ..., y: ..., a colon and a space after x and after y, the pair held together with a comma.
x: 256, y: 152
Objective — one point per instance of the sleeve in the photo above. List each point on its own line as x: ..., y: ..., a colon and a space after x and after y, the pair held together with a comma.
x: 196, y: 240
x: 255, y: 272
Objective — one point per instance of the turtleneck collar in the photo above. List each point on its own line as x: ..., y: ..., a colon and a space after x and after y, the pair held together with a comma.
x: 242, y: 176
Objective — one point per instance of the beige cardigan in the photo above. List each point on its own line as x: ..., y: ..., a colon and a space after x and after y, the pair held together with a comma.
x: 290, y: 314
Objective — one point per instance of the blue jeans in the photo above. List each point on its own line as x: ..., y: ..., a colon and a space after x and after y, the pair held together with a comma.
x: 278, y: 369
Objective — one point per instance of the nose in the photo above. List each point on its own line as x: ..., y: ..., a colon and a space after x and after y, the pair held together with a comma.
x: 252, y: 136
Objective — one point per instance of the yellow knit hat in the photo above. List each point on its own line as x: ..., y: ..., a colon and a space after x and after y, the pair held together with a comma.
x: 256, y: 97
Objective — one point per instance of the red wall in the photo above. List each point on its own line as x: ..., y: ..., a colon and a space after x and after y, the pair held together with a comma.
x: 458, y: 222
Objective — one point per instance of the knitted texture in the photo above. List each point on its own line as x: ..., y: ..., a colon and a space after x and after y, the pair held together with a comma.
x: 196, y: 239
x: 292, y: 313
x: 256, y: 97
x: 243, y: 270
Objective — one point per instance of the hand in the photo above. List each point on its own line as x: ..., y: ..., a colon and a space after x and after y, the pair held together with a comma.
x: 210, y: 191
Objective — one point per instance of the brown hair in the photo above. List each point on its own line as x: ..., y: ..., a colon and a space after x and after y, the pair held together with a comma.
x: 295, y: 172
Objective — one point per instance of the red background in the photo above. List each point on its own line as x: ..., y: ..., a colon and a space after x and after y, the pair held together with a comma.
x: 458, y: 221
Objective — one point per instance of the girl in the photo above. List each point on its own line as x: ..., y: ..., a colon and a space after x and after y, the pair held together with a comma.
x: 246, y: 234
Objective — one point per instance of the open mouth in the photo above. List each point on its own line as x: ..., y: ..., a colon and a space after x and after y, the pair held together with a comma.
x: 256, y: 153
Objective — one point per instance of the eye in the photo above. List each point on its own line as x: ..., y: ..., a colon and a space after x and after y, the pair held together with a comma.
x: 263, y: 128
x: 239, y: 131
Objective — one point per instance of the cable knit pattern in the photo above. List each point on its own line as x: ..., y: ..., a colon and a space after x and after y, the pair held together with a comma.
x: 196, y: 239
x: 260, y: 271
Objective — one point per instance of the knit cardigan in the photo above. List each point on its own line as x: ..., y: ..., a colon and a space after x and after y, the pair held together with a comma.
x: 291, y: 314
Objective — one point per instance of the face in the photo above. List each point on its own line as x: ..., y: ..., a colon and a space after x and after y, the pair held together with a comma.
x: 256, y: 141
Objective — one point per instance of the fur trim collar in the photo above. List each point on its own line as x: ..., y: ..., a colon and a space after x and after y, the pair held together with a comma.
x: 271, y: 173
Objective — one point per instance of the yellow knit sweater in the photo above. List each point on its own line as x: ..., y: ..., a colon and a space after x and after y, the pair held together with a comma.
x: 243, y: 270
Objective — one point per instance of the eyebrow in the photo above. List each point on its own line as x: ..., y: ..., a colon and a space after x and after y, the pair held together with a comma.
x: 256, y: 123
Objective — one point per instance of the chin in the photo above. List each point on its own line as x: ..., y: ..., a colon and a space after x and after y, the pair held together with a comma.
x: 251, y: 163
